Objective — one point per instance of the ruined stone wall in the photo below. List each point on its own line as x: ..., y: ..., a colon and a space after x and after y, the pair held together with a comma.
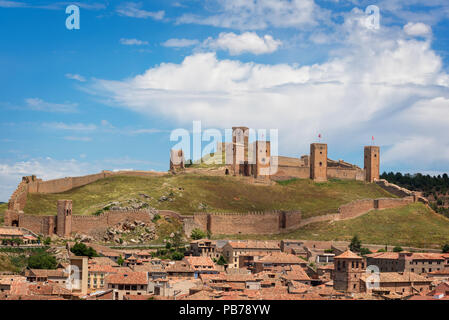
x: 38, y: 224
x: 355, y: 208
x: 345, y: 173
x: 387, y: 203
x: 246, y: 223
x: 292, y: 172
x: 18, y: 199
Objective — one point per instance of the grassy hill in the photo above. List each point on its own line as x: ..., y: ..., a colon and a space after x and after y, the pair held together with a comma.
x: 189, y: 193
x: 413, y: 225
x: 3, y: 207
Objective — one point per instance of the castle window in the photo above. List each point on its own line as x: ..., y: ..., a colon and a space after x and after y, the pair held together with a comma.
x: 321, y: 164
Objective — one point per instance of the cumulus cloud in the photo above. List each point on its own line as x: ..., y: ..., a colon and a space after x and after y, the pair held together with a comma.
x: 260, y: 14
x: 76, y: 77
x: 38, y: 104
x: 134, y: 10
x: 242, y: 43
x: 417, y: 29
x: 371, y: 86
x: 46, y: 168
x: 180, y: 43
x: 133, y: 42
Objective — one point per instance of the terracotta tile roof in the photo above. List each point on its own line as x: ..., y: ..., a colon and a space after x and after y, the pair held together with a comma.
x: 297, y: 273
x: 200, y: 262
x: 179, y: 266
x: 97, y: 268
x: 31, y: 288
x: 253, y: 244
x: 45, y: 273
x: 348, y: 254
x: 282, y: 258
x: 399, y: 277
x: 129, y: 278
x: 102, y: 261
x: 384, y: 255
x: 442, y: 272
x: 9, y: 279
x: 10, y: 232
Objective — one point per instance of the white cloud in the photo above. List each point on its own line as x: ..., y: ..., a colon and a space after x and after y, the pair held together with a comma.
x: 74, y: 138
x: 45, y: 168
x: 134, y: 10
x: 38, y: 104
x: 366, y: 88
x: 70, y: 126
x: 77, y: 77
x: 417, y: 29
x: 260, y: 14
x: 133, y: 42
x: 245, y: 42
x: 180, y: 43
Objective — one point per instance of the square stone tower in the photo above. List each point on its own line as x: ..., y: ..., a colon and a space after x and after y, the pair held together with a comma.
x: 348, y: 269
x: 240, y: 137
x: 176, y: 160
x: 371, y: 163
x: 64, y: 218
x: 263, y: 159
x: 318, y: 162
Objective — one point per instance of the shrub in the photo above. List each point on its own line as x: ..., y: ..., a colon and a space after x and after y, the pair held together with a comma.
x: 197, y: 234
x: 445, y: 248
x: 397, y: 249
x: 355, y: 244
x: 42, y: 260
x: 80, y: 249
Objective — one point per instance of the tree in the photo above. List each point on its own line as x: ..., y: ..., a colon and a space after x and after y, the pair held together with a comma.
x: 80, y: 249
x: 120, y: 261
x: 197, y: 234
x: 397, y: 249
x: 365, y: 251
x: 222, y: 261
x: 42, y: 260
x: 47, y: 241
x: 177, y: 255
x: 445, y: 248
x: 355, y: 244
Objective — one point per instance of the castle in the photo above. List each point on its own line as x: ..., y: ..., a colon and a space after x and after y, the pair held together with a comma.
x: 255, y: 160
x: 242, y: 159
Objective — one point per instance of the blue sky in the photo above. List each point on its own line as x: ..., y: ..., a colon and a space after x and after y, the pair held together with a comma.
x: 108, y: 95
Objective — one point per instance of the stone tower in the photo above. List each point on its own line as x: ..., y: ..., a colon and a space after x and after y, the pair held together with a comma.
x: 348, y: 269
x: 240, y: 137
x: 64, y: 218
x: 176, y: 160
x: 318, y: 162
x: 263, y: 159
x: 371, y: 163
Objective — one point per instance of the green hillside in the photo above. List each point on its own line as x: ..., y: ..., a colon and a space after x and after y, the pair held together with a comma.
x: 189, y: 193
x: 413, y: 225
x: 3, y: 207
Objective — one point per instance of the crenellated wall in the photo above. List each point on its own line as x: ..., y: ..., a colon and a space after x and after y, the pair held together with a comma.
x: 281, y: 221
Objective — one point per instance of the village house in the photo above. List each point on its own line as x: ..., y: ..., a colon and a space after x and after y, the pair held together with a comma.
x: 406, y: 283
x: 201, y: 265
x: 233, y: 249
x: 97, y: 274
x: 129, y: 283
x: 43, y: 275
x: 7, y: 280
x: 417, y: 262
x: 277, y: 259
x: 204, y: 248
x: 179, y: 269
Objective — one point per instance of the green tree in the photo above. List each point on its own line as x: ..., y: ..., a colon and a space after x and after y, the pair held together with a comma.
x: 365, y: 251
x: 177, y: 255
x: 222, y: 261
x: 80, y: 249
x: 197, y: 234
x: 397, y: 249
x: 42, y: 260
x: 120, y: 261
x: 445, y: 248
x: 355, y: 244
x: 47, y: 241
